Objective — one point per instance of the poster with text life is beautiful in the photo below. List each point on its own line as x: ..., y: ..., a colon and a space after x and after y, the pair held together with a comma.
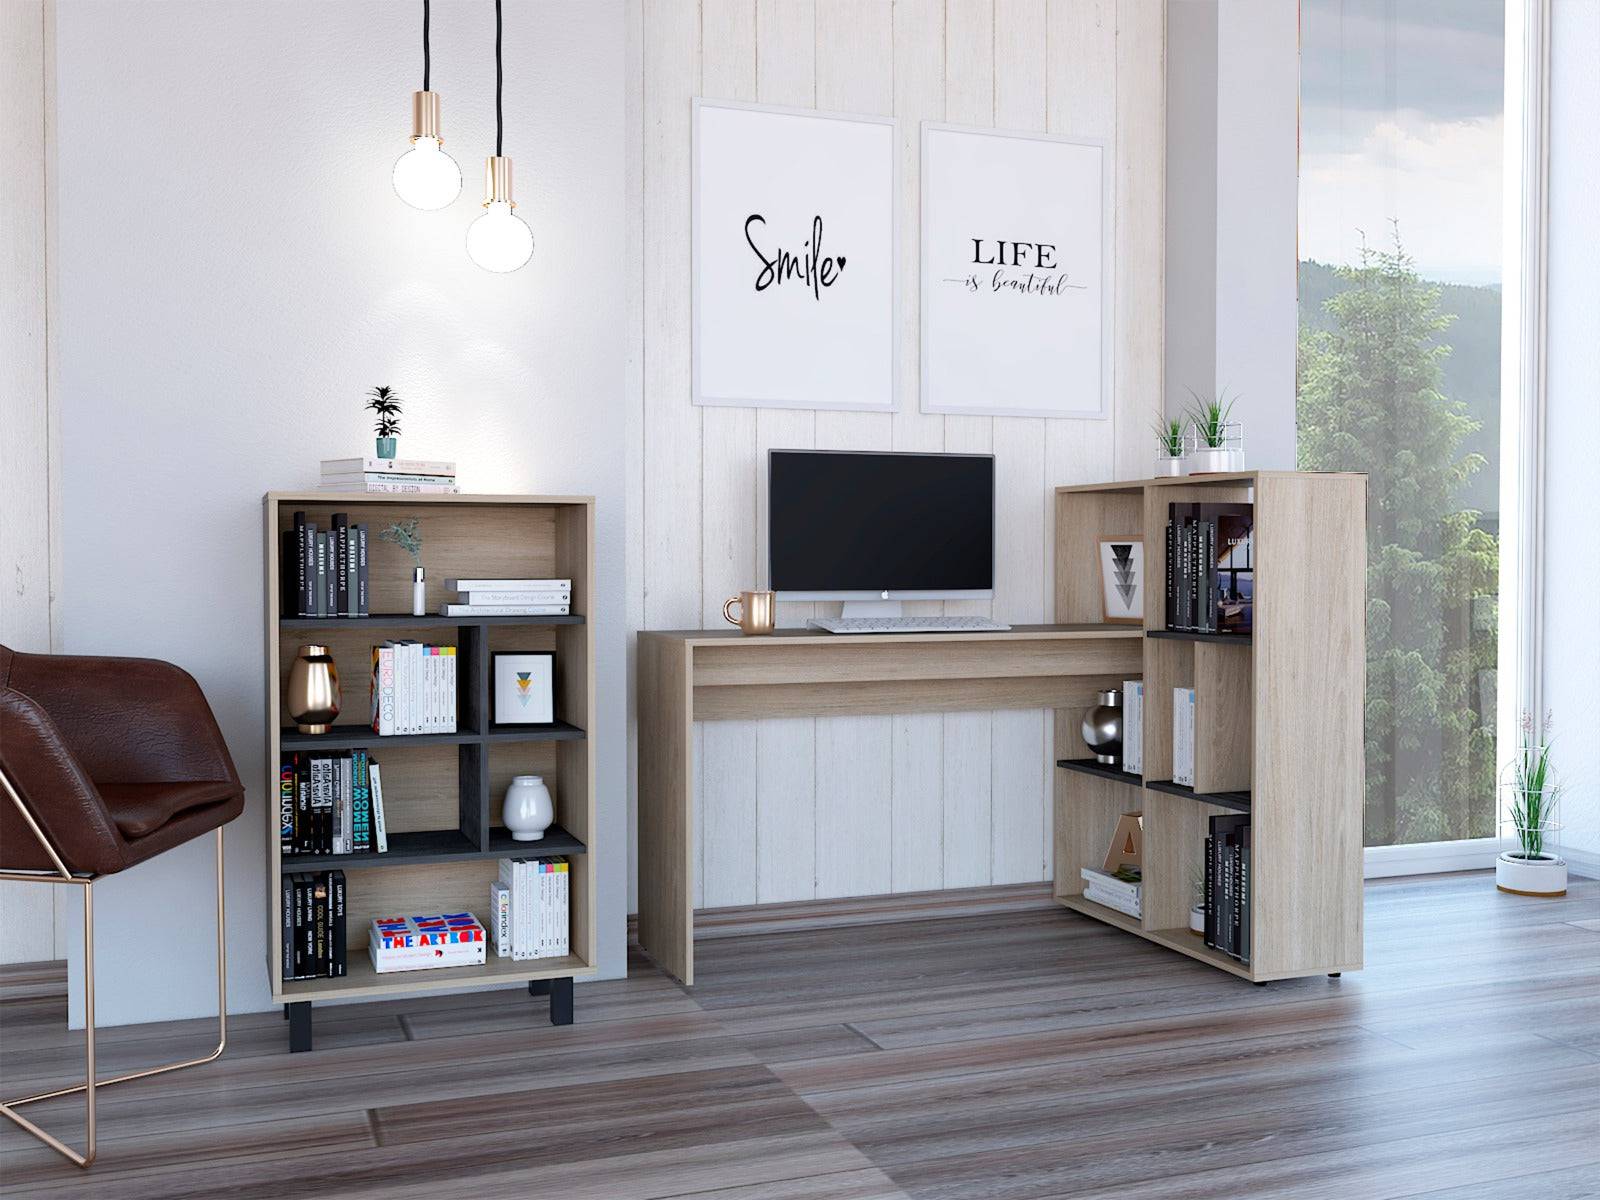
x: 1013, y: 274
x: 794, y: 252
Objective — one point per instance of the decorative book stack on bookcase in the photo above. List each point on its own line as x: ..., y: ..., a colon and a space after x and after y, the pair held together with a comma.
x: 1277, y: 732
x: 442, y: 791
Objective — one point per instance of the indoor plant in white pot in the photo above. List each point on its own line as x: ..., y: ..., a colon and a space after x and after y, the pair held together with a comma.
x: 1169, y: 447
x: 1216, y: 444
x: 1530, y: 799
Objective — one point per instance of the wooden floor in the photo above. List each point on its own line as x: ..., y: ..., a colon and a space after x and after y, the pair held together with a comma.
x: 1033, y: 1054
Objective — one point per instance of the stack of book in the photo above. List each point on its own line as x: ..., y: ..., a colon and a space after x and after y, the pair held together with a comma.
x: 324, y: 571
x: 1123, y: 891
x: 530, y: 907
x: 313, y: 925
x: 1227, y: 886
x: 330, y: 804
x: 425, y: 943
x: 413, y: 688
x: 509, y: 598
x: 404, y: 475
x: 1210, y: 569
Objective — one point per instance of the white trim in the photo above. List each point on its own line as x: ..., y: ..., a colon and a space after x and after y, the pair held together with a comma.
x: 1430, y: 858
x: 698, y: 397
x: 1107, y: 313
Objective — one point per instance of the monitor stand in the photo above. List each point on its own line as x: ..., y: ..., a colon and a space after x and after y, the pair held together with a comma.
x: 871, y: 608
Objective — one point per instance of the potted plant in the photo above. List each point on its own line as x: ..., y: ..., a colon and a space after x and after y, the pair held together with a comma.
x: 387, y: 405
x: 1216, y: 443
x: 1169, y: 442
x: 408, y: 536
x: 1197, y: 900
x: 1530, y: 797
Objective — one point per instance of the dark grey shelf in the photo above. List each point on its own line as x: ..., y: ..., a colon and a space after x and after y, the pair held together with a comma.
x: 1184, y: 635
x: 1088, y: 766
x: 433, y: 620
x: 438, y: 846
x: 358, y: 737
x: 1237, y: 801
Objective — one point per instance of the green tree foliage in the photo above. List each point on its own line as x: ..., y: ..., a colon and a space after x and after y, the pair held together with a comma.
x: 1370, y: 399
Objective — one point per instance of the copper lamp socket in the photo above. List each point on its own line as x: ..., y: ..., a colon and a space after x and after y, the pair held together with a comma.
x: 497, y: 180
x: 425, y: 116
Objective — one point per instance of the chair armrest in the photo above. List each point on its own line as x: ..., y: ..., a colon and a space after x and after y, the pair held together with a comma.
x: 56, y: 792
x: 128, y: 720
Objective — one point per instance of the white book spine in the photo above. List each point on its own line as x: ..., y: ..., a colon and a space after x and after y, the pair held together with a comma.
x: 1183, y: 736
x: 503, y: 596
x: 430, y: 690
x: 392, y: 487
x: 1133, y: 726
x: 564, y: 913
x: 451, y: 707
x: 504, y: 610
x: 500, y: 915
x: 386, y: 686
x: 546, y: 910
x: 380, y: 831
x: 507, y: 585
x: 521, y: 912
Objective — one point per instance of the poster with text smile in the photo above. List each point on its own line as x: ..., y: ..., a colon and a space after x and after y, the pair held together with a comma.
x: 794, y: 258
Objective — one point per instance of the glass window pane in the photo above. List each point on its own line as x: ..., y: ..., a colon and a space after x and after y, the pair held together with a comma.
x: 1402, y: 113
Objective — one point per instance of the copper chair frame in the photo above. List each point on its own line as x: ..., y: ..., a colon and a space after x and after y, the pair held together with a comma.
x: 61, y: 876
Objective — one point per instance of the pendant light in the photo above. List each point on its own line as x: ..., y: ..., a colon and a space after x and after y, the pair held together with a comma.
x: 499, y: 240
x: 426, y: 177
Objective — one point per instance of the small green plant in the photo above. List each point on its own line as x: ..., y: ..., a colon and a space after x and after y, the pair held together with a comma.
x: 1170, y: 434
x: 1533, y: 791
x: 405, y: 534
x: 1197, y: 885
x: 386, y: 404
x: 1209, y: 416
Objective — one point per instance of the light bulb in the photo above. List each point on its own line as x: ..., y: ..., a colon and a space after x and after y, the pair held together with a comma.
x: 499, y: 240
x: 426, y: 177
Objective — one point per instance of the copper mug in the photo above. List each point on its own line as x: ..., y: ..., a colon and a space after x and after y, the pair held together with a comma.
x: 758, y: 612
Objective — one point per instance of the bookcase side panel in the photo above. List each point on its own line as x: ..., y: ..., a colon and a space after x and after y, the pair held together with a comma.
x: 1310, y: 676
x: 271, y: 569
x: 575, y: 559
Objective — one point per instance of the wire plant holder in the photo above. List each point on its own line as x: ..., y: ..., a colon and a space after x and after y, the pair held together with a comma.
x: 1530, y: 820
x: 1216, y: 449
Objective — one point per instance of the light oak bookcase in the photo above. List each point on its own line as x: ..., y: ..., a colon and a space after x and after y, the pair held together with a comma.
x: 442, y: 791
x: 1278, y: 725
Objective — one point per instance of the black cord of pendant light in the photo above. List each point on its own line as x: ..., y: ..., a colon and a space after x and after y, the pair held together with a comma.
x: 427, y: 57
x: 499, y: 85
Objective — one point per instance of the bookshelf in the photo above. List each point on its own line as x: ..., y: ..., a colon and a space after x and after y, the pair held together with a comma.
x: 442, y: 791
x: 1278, y: 720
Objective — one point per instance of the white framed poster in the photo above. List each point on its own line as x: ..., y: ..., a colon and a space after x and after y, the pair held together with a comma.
x: 1015, y: 249
x: 794, y: 258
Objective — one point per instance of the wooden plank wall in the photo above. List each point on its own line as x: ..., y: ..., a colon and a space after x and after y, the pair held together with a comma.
x: 796, y: 809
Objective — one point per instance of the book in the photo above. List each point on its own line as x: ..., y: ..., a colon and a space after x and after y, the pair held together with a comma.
x: 319, y: 926
x: 1234, y: 579
x: 1133, y: 726
x: 387, y: 466
x: 361, y: 804
x: 362, y: 606
x: 286, y: 886
x: 340, y: 548
x: 500, y: 917
x: 504, y: 610
x: 423, y: 942
x: 1183, y: 736
x: 322, y: 576
x: 380, y: 832
x: 507, y: 585
x: 516, y: 596
x: 1112, y: 900
x: 399, y: 486
x: 336, y: 905
x: 306, y: 603
x: 286, y: 844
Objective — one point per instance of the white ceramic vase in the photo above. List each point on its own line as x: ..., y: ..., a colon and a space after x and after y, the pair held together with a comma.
x: 528, y: 808
x: 419, y: 592
x: 1210, y: 460
x: 1542, y: 875
x: 1168, y: 466
x: 1197, y: 919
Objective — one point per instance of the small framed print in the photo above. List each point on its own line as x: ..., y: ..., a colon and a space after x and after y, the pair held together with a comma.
x: 1122, y: 580
x: 522, y: 687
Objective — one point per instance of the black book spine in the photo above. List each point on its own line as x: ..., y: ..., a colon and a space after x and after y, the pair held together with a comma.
x: 341, y: 564
x: 302, y: 805
x: 303, y: 605
x: 1211, y: 576
x: 300, y: 926
x: 1196, y: 573
x: 1244, y: 894
x: 361, y: 804
x: 336, y: 919
x: 286, y: 924
x: 319, y: 918
x: 361, y: 570
x: 320, y: 574
x: 1172, y: 572
x: 1184, y: 621
x: 1211, y: 894
x: 330, y: 585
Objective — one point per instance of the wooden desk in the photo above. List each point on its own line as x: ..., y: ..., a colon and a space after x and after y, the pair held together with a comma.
x: 708, y: 675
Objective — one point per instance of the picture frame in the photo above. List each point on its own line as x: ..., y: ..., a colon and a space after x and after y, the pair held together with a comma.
x: 522, y: 687
x: 1015, y: 273
x: 794, y: 258
x: 1122, y: 580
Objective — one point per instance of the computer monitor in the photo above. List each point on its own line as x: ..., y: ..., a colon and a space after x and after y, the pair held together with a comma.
x: 875, y: 528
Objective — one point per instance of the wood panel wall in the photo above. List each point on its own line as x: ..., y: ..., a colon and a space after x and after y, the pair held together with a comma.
x: 795, y: 809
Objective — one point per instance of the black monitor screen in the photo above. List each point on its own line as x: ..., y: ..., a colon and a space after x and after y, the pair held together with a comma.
x: 850, y: 522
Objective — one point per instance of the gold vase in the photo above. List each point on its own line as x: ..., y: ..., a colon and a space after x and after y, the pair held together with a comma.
x: 312, y: 693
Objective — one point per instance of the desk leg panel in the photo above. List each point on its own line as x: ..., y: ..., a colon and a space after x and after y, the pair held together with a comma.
x: 666, y: 804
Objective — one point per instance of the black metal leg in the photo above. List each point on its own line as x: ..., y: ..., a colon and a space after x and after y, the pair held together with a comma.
x: 538, y: 987
x: 285, y: 1012
x: 561, y: 1001
x: 1333, y: 974
x: 299, y: 1015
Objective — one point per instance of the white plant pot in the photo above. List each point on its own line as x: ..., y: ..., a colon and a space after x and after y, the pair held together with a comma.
x: 1545, y: 875
x: 528, y: 808
x: 1167, y: 466
x: 1211, y: 461
x: 1197, y: 920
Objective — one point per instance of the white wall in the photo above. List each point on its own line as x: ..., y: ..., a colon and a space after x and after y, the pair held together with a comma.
x: 1232, y: 215
x: 1572, y: 418
x: 792, y: 809
x: 235, y: 272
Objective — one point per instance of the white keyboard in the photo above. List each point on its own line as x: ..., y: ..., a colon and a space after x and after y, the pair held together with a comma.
x: 907, y: 625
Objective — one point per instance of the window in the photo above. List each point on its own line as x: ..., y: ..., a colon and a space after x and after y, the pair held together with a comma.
x: 1398, y: 374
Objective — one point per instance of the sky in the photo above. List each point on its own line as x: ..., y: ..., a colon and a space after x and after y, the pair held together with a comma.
x: 1402, y: 118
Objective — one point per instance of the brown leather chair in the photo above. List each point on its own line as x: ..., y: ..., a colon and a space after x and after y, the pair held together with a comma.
x: 106, y: 763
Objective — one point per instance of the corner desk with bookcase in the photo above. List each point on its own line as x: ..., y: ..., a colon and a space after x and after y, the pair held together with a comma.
x: 441, y: 791
x: 1278, y: 720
